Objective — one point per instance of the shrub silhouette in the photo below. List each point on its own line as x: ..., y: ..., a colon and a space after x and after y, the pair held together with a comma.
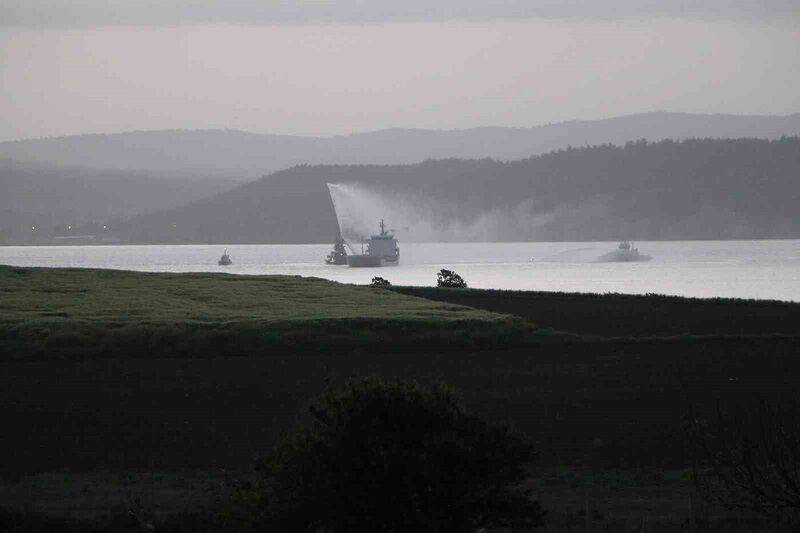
x: 448, y: 278
x: 395, y: 457
x: 749, y: 459
x: 380, y: 282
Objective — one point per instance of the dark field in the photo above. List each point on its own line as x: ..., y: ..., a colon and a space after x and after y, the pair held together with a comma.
x: 607, y: 414
x: 614, y: 500
x: 627, y: 315
x: 615, y: 404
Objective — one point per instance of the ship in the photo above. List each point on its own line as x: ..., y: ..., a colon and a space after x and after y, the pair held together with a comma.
x: 382, y: 250
x: 225, y: 259
x: 625, y: 252
x: 338, y: 255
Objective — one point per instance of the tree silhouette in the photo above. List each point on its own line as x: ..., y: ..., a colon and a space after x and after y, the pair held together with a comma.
x: 396, y: 457
x: 379, y: 282
x: 448, y: 278
x: 751, y: 460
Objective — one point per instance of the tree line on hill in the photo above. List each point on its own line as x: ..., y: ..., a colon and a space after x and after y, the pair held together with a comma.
x: 667, y: 190
x: 97, y: 181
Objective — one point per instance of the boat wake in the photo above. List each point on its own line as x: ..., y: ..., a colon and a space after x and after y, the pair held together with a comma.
x: 577, y: 255
x: 596, y: 254
x: 616, y: 257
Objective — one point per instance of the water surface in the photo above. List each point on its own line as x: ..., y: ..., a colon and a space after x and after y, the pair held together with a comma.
x: 741, y: 269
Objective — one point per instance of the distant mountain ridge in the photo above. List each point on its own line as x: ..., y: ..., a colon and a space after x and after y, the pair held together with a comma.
x: 667, y: 190
x: 240, y: 155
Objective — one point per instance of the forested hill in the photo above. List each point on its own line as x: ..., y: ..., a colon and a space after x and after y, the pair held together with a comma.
x: 237, y: 154
x: 694, y: 189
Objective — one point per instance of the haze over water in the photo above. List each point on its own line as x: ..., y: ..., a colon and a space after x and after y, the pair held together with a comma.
x: 735, y: 269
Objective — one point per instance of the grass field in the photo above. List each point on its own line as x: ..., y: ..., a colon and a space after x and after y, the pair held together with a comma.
x: 82, y: 312
x: 115, y: 296
x: 166, y: 395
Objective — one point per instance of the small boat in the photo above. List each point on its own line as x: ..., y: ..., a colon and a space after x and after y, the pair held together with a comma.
x: 625, y: 252
x: 338, y: 255
x: 225, y: 259
x: 382, y: 250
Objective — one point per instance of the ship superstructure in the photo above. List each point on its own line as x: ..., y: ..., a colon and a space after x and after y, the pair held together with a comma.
x: 625, y: 252
x: 381, y: 250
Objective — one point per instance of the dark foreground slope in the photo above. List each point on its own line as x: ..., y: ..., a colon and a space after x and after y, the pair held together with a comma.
x: 696, y: 189
x: 624, y: 315
x: 167, y: 423
x: 612, y: 404
x: 213, y: 396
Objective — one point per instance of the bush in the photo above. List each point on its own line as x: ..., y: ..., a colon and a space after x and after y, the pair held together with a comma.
x: 395, y: 457
x: 750, y: 460
x: 448, y: 278
x: 380, y: 282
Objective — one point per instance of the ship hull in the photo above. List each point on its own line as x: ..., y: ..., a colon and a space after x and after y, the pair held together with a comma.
x: 336, y: 259
x: 622, y: 256
x: 371, y: 261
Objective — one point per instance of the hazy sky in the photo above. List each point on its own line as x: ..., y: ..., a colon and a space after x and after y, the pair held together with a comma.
x: 326, y: 67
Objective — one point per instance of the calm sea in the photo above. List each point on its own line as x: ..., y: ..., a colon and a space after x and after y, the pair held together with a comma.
x: 742, y: 269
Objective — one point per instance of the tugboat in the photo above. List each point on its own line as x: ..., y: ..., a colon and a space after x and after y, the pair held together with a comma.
x: 338, y: 255
x: 225, y: 260
x: 624, y: 253
x: 382, y: 250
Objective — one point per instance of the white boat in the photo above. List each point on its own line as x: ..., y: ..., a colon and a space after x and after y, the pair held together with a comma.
x: 382, y: 250
x: 225, y: 260
x: 625, y: 252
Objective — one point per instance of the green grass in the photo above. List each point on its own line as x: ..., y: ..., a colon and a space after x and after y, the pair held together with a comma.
x: 68, y: 312
x: 109, y: 295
